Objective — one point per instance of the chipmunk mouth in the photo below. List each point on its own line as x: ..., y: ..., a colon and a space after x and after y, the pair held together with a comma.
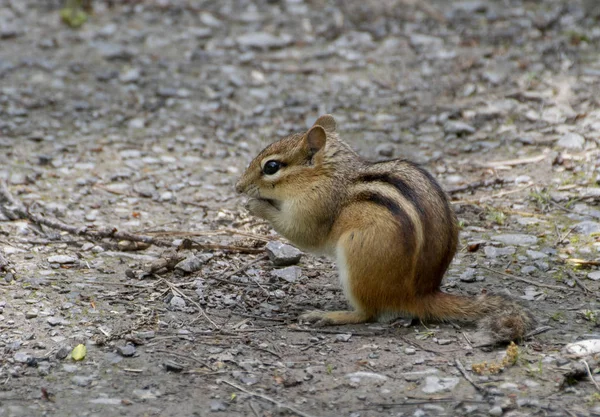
x: 276, y: 204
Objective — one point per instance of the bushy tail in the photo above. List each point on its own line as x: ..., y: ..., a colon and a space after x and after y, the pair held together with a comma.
x: 500, y: 316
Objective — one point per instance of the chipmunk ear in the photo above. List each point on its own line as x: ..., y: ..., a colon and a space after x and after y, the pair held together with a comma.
x: 327, y: 121
x: 315, y: 139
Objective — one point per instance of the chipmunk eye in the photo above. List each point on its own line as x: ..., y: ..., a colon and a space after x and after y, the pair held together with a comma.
x: 271, y: 167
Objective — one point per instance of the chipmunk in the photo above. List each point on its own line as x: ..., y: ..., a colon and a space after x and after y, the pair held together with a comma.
x: 389, y: 225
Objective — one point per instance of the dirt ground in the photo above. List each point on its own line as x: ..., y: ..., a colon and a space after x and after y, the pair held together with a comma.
x: 143, y: 119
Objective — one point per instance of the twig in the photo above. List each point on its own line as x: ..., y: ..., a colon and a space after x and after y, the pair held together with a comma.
x: 182, y: 356
x: 583, y: 262
x: 420, y: 346
x: 587, y: 368
x: 594, y: 216
x: 295, y: 328
x: 179, y: 292
x: 19, y: 211
x: 562, y: 239
x: 243, y: 268
x: 464, y: 373
x: 537, y: 331
x: 266, y: 398
x: 477, y: 184
x: 537, y: 284
x: 514, y: 162
x: 578, y: 281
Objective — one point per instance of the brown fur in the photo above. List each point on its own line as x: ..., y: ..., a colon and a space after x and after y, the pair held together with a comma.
x: 389, y: 224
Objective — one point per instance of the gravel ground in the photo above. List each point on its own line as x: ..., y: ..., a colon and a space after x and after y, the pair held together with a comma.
x: 143, y: 118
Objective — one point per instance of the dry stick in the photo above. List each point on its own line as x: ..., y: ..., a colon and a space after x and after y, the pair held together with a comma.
x: 537, y: 284
x: 562, y: 239
x: 513, y: 162
x: 477, y: 184
x: 578, y: 281
x: 178, y: 291
x: 573, y: 211
x: 537, y: 331
x: 420, y: 346
x: 225, y: 278
x: 464, y: 373
x: 21, y: 212
x: 266, y: 398
x: 294, y: 328
x: 589, y: 372
x: 583, y: 262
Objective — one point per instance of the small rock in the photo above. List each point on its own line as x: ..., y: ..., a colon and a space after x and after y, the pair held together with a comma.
x: 177, y: 302
x: 132, y: 75
x: 516, y: 239
x: 435, y: 384
x: 283, y: 255
x: 410, y: 351
x: 216, y: 405
x: 587, y: 227
x: 385, y: 149
x: 63, y: 352
x: 62, y: 259
x: 418, y: 40
x: 493, y: 252
x: 289, y: 274
x: 172, y: 366
x: 542, y: 266
x: 192, y: 264
x: 468, y: 275
x: 458, y: 127
x: 82, y: 381
x: 571, y: 141
x: 263, y: 40
x: 528, y: 270
x: 444, y: 341
x: 366, y: 375
x: 496, y: 411
x: 343, y: 337
x: 535, y: 254
x: 22, y: 357
x: 594, y: 275
x: 54, y: 321
x: 128, y: 350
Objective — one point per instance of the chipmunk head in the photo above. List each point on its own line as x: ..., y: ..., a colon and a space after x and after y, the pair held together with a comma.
x: 285, y: 167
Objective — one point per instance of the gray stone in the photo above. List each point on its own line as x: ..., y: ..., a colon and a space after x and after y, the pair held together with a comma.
x: 283, y: 255
x: 418, y: 40
x: 131, y: 75
x: 542, y: 265
x: 435, y: 384
x: 192, y: 263
x: 289, y: 274
x: 385, y: 149
x: 54, y: 321
x: 587, y: 227
x: 22, y: 357
x: 410, y: 351
x: 263, y: 40
x: 216, y: 405
x: 516, y: 239
x: 493, y: 252
x: 571, y: 141
x: 468, y: 275
x: 458, y: 127
x: 535, y: 254
x: 343, y: 337
x: 177, y: 302
x: 496, y: 411
x: 106, y: 401
x: 63, y: 352
x: 128, y: 350
x: 82, y: 381
x: 31, y: 314
x: 62, y: 259
x: 594, y: 275
x: 528, y: 270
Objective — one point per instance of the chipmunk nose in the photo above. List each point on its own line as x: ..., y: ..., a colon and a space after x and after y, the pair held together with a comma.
x: 239, y: 187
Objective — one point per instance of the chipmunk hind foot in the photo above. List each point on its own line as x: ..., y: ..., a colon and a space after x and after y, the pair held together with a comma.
x: 333, y: 318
